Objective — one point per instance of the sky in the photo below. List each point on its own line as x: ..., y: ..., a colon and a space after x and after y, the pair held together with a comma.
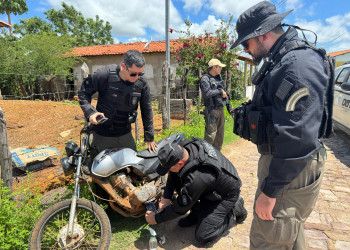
x: 144, y: 20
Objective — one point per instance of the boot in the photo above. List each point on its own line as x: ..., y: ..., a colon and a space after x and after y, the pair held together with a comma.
x: 239, y: 211
x: 189, y: 220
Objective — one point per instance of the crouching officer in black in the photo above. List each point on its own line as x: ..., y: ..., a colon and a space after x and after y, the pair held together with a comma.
x: 120, y: 88
x: 215, y: 98
x: 206, y: 183
x: 291, y: 109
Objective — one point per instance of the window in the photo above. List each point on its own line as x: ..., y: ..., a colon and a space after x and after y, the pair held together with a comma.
x: 343, y: 76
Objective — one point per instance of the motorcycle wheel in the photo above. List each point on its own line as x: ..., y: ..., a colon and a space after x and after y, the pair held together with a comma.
x: 92, y: 227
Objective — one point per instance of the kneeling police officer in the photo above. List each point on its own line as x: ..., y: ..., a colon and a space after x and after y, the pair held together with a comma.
x: 206, y: 183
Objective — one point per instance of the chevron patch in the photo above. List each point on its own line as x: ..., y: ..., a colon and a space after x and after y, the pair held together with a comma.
x: 295, y: 97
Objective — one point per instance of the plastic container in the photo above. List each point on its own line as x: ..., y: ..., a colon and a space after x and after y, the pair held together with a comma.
x: 152, y: 243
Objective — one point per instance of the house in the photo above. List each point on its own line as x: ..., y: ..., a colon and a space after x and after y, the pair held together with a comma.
x: 98, y: 56
x: 340, y: 57
x: 4, y: 24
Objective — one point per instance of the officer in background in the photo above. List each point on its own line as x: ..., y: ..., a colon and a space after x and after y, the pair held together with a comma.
x: 206, y: 183
x: 121, y: 88
x: 215, y: 98
x: 285, y: 120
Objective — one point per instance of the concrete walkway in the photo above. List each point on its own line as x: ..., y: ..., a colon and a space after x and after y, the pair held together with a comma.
x: 328, y: 227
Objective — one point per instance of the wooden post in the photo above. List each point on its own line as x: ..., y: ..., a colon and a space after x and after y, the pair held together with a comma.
x: 137, y: 129
x: 199, y: 104
x: 184, y: 93
x: 228, y: 86
x: 162, y: 99
x: 245, y: 77
x: 5, y: 155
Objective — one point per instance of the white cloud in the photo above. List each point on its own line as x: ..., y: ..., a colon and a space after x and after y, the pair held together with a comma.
x: 294, y: 4
x: 333, y: 33
x: 193, y: 5
x: 226, y: 7
x: 128, y: 18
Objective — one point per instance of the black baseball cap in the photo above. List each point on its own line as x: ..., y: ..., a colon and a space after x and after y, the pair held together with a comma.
x: 257, y: 20
x: 169, y: 155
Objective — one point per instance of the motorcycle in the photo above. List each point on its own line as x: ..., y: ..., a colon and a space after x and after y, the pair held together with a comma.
x: 129, y: 178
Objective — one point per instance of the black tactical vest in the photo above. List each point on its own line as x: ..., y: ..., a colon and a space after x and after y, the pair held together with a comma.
x: 253, y: 120
x: 211, y: 157
x: 120, y: 100
x: 215, y: 101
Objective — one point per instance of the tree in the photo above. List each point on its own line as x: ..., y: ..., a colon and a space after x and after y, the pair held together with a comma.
x: 68, y: 21
x: 194, y: 52
x: 34, y: 55
x: 17, y: 7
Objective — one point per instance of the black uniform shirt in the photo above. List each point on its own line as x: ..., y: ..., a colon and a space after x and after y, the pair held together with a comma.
x: 197, y: 182
x: 98, y: 82
x: 297, y: 116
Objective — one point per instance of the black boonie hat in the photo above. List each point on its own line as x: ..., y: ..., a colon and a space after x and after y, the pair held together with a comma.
x: 169, y: 155
x: 257, y: 20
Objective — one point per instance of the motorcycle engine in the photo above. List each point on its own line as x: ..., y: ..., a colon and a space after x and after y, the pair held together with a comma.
x: 137, y: 194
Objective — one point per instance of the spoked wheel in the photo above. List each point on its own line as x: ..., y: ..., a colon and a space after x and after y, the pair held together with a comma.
x: 91, y: 230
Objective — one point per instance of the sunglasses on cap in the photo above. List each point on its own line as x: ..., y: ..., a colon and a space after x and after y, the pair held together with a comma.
x: 134, y: 74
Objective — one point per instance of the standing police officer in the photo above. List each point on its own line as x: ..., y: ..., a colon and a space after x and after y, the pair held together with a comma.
x: 285, y: 119
x: 215, y: 97
x: 206, y: 183
x: 121, y: 88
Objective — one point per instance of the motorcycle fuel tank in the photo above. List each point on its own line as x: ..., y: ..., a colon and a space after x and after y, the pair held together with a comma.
x: 109, y: 161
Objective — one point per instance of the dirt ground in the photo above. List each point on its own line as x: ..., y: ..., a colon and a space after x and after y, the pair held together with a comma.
x: 33, y: 123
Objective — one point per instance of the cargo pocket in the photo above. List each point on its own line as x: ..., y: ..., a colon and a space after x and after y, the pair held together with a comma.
x: 282, y: 230
x: 304, y: 198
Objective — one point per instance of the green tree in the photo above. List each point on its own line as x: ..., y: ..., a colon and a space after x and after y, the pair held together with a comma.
x: 34, y: 55
x: 194, y: 51
x: 16, y: 7
x: 68, y: 21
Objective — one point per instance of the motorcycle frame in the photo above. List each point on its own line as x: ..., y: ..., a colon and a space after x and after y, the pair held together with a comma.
x: 76, y: 192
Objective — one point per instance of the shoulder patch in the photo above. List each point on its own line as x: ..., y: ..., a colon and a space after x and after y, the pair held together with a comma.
x: 295, y: 97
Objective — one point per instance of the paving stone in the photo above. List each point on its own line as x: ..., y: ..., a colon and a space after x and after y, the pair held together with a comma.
x: 315, y: 234
x: 342, y: 245
x: 340, y: 226
x: 343, y: 189
x: 317, y: 244
x: 320, y: 227
x: 314, y: 217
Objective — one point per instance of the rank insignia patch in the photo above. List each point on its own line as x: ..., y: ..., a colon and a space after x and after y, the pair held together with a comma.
x: 295, y: 97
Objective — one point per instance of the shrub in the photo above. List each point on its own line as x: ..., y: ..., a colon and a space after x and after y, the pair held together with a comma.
x: 18, y: 214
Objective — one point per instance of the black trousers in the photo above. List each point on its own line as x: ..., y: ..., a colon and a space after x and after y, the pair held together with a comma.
x: 214, y: 218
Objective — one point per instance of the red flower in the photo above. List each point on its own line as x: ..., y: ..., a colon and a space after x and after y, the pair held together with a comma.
x: 194, y: 63
x: 171, y: 30
x: 215, y: 52
x: 198, y: 56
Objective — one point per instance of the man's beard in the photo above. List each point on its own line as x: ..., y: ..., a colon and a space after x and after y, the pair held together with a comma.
x: 260, y: 53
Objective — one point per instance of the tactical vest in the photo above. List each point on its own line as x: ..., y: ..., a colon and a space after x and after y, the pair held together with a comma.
x: 120, y: 100
x: 253, y: 121
x: 211, y: 157
x: 217, y: 100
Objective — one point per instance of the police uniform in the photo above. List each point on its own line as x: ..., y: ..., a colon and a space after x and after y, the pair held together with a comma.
x: 286, y: 118
x: 212, y: 89
x: 291, y: 167
x: 118, y: 100
x: 207, y: 182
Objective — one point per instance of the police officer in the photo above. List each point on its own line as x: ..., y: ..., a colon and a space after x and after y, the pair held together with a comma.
x: 284, y: 119
x: 206, y: 183
x: 215, y: 97
x: 121, y: 88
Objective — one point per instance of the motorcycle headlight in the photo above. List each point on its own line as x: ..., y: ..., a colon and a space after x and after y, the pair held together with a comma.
x: 68, y: 165
x: 72, y: 148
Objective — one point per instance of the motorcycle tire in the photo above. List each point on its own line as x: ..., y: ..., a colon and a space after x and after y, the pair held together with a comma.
x: 92, y: 227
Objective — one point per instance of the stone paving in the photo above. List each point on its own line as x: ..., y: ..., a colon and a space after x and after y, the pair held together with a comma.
x: 328, y: 227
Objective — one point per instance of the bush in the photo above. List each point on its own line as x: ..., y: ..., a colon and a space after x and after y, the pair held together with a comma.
x: 18, y: 214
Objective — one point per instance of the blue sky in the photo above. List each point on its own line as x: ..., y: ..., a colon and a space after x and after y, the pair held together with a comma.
x: 142, y: 20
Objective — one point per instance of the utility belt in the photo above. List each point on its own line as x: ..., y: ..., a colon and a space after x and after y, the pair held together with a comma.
x: 252, y: 124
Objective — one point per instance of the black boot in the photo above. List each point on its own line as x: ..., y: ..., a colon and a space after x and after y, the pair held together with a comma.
x: 239, y: 211
x: 189, y: 220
